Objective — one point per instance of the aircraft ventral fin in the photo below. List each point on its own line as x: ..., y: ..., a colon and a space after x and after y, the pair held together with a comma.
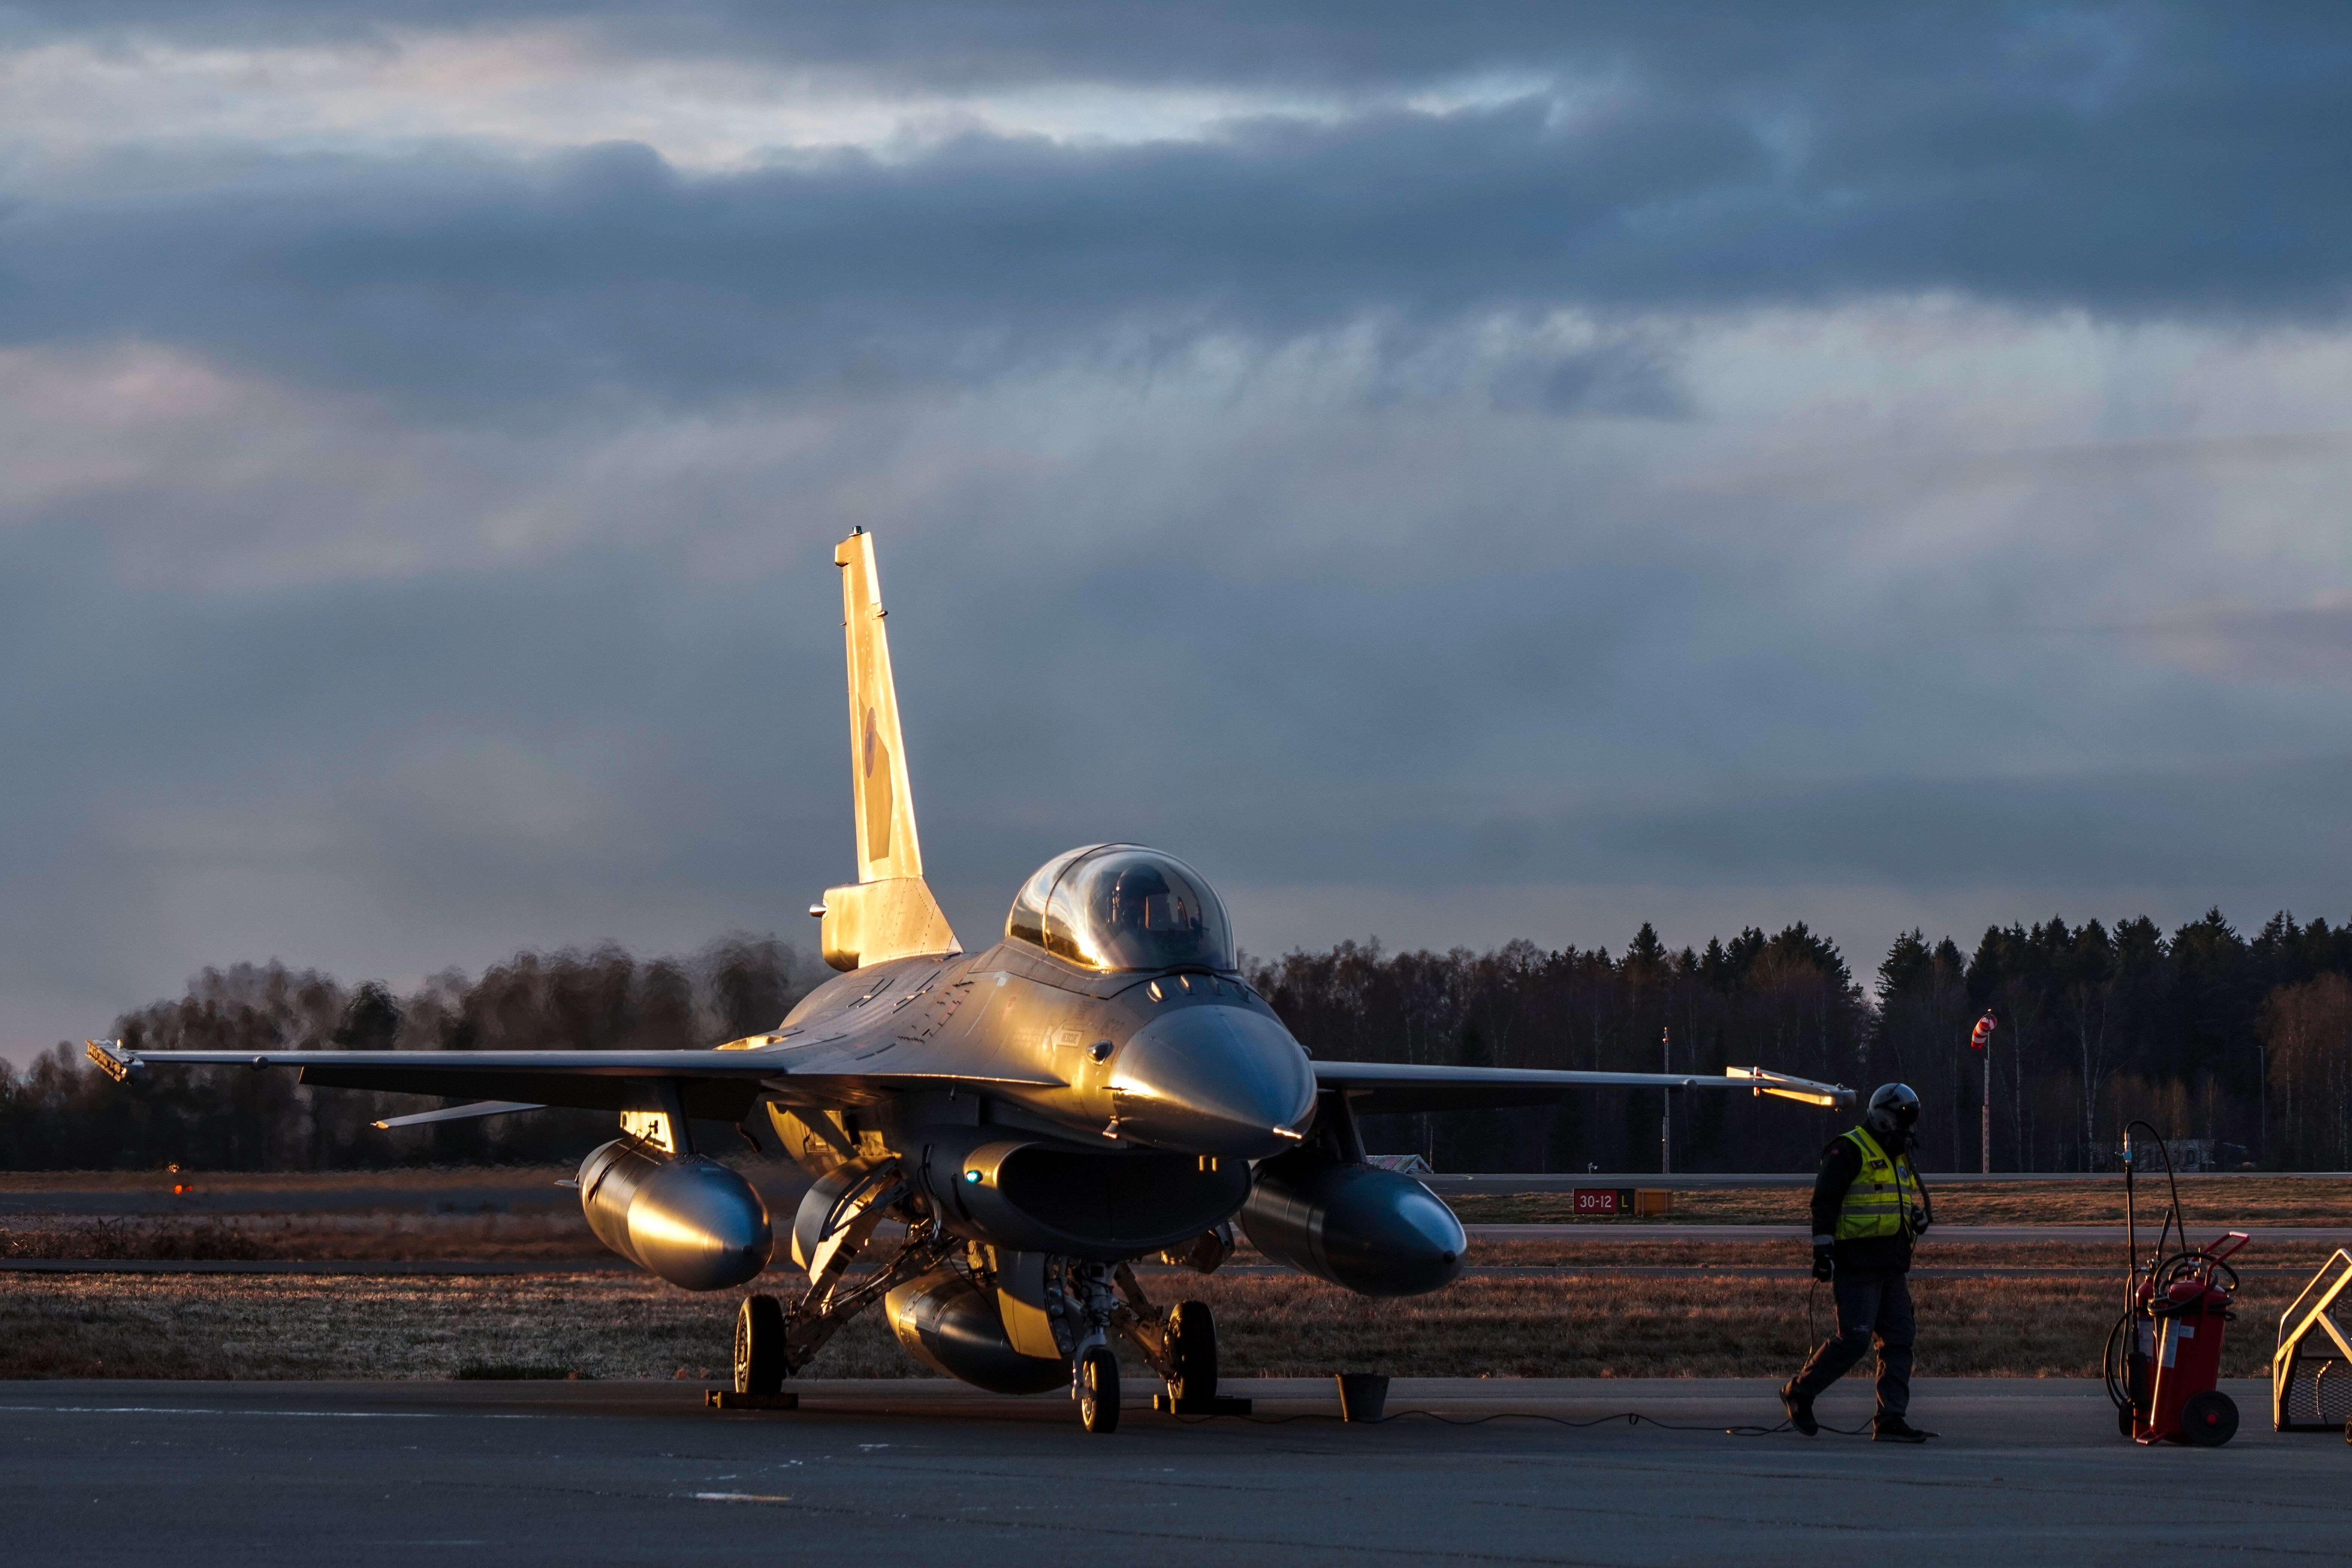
x: 458, y: 1113
x: 889, y: 912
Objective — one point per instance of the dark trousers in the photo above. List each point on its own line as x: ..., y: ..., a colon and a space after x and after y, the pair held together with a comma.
x: 1868, y: 1306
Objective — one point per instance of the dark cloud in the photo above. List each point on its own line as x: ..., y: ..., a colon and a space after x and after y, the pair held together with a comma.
x: 2132, y: 163
x: 2084, y: 54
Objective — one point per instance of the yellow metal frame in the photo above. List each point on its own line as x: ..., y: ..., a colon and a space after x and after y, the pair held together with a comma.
x: 2296, y: 1325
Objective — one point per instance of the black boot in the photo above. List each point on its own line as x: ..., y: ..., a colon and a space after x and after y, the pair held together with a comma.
x: 1895, y: 1429
x: 1799, y: 1407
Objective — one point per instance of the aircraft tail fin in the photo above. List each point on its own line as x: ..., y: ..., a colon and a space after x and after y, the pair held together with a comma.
x: 887, y: 845
x: 898, y: 917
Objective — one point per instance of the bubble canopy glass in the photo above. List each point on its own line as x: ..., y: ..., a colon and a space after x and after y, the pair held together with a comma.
x: 1121, y: 906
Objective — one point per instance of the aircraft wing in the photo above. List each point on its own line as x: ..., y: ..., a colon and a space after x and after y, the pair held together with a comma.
x: 717, y: 1085
x: 1378, y: 1087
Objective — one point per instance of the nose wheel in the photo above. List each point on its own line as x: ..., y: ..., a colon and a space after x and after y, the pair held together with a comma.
x: 1098, y: 1379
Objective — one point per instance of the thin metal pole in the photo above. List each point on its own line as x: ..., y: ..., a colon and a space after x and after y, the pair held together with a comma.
x: 1988, y: 1107
x: 1666, y: 1105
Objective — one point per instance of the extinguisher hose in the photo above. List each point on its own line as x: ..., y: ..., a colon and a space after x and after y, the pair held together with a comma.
x: 2161, y: 1271
x: 2114, y: 1361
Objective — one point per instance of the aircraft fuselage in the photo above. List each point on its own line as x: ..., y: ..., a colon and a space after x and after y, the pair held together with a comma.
x: 1044, y: 1107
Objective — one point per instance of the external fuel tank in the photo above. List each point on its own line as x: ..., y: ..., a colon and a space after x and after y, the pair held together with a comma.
x: 688, y: 1219
x: 1376, y: 1232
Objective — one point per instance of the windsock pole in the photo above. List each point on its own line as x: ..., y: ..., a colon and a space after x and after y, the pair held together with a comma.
x: 1980, y: 1039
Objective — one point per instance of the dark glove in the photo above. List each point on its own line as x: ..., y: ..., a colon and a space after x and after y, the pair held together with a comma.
x: 1919, y: 1222
x: 1824, y: 1268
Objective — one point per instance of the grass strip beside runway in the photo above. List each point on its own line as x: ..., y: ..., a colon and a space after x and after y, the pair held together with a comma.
x: 1574, y: 1321
x: 2210, y: 1201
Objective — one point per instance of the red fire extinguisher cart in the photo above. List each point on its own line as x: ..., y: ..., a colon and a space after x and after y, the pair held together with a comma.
x: 2164, y: 1355
x: 2184, y: 1323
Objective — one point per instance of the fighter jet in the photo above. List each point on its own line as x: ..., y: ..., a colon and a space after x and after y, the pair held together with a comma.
x: 995, y: 1138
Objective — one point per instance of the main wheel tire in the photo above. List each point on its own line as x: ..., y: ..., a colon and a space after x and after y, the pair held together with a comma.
x: 2208, y: 1419
x: 1193, y: 1351
x: 1098, y: 1391
x: 759, y: 1364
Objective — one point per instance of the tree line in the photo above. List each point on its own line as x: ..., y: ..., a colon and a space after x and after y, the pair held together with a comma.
x: 2205, y: 1032
x: 64, y: 1114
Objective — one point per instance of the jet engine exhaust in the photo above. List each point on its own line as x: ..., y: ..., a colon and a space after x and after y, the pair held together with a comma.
x: 1373, y: 1231
x: 691, y: 1220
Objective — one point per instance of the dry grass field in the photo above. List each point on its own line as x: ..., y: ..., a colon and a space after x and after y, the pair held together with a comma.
x: 1581, y: 1316
x: 247, y: 1326
x: 534, y: 1237
x: 425, y: 1182
x: 1571, y: 1310
x: 2208, y: 1200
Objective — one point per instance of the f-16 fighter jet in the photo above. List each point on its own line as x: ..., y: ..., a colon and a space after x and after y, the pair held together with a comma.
x: 995, y: 1137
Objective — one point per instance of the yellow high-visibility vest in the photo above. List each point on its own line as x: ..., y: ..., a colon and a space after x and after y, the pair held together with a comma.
x: 1879, y: 1201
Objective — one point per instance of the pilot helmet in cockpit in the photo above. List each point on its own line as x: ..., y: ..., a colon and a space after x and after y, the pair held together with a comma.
x: 1120, y: 906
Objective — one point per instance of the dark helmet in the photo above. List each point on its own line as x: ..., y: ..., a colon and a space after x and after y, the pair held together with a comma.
x: 1894, y: 1110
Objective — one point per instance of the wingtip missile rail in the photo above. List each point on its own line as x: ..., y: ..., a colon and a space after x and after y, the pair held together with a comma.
x: 114, y: 1060
x: 1764, y: 1080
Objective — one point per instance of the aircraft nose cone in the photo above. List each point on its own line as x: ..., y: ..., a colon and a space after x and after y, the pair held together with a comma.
x: 1213, y: 1079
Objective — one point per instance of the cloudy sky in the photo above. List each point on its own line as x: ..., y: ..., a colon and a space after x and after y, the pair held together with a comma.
x: 1452, y: 472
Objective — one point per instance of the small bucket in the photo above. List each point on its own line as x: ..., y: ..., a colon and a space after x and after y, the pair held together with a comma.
x: 1363, y: 1395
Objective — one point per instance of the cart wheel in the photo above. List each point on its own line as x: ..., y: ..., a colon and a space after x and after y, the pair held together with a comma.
x: 1098, y: 1391
x: 2208, y: 1419
x: 2124, y: 1414
x: 760, y: 1364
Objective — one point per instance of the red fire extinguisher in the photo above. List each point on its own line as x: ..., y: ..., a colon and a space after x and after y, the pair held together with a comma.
x: 2182, y: 1312
x: 2164, y: 1355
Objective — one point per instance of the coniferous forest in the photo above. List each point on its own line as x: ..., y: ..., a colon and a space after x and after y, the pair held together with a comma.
x: 2204, y: 1031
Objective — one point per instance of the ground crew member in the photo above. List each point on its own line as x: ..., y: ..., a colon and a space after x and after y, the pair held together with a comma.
x: 1868, y: 1208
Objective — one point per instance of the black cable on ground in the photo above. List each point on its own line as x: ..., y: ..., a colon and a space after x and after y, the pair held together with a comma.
x: 1631, y: 1418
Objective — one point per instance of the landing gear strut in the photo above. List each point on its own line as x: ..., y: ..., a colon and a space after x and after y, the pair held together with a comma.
x: 1181, y: 1343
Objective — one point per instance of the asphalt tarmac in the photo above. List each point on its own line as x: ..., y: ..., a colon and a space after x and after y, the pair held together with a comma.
x: 1457, y: 1180
x: 1636, y: 1230
x: 2028, y: 1472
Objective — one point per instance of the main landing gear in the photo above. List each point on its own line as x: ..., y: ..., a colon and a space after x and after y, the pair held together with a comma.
x: 762, y: 1357
x: 773, y: 1340
x: 1097, y: 1389
x: 1180, y: 1345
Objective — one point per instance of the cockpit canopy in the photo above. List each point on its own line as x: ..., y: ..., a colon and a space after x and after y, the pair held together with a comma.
x: 1121, y: 906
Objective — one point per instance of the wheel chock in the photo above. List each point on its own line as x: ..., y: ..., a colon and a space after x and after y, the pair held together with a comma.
x: 728, y: 1399
x: 1200, y: 1404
